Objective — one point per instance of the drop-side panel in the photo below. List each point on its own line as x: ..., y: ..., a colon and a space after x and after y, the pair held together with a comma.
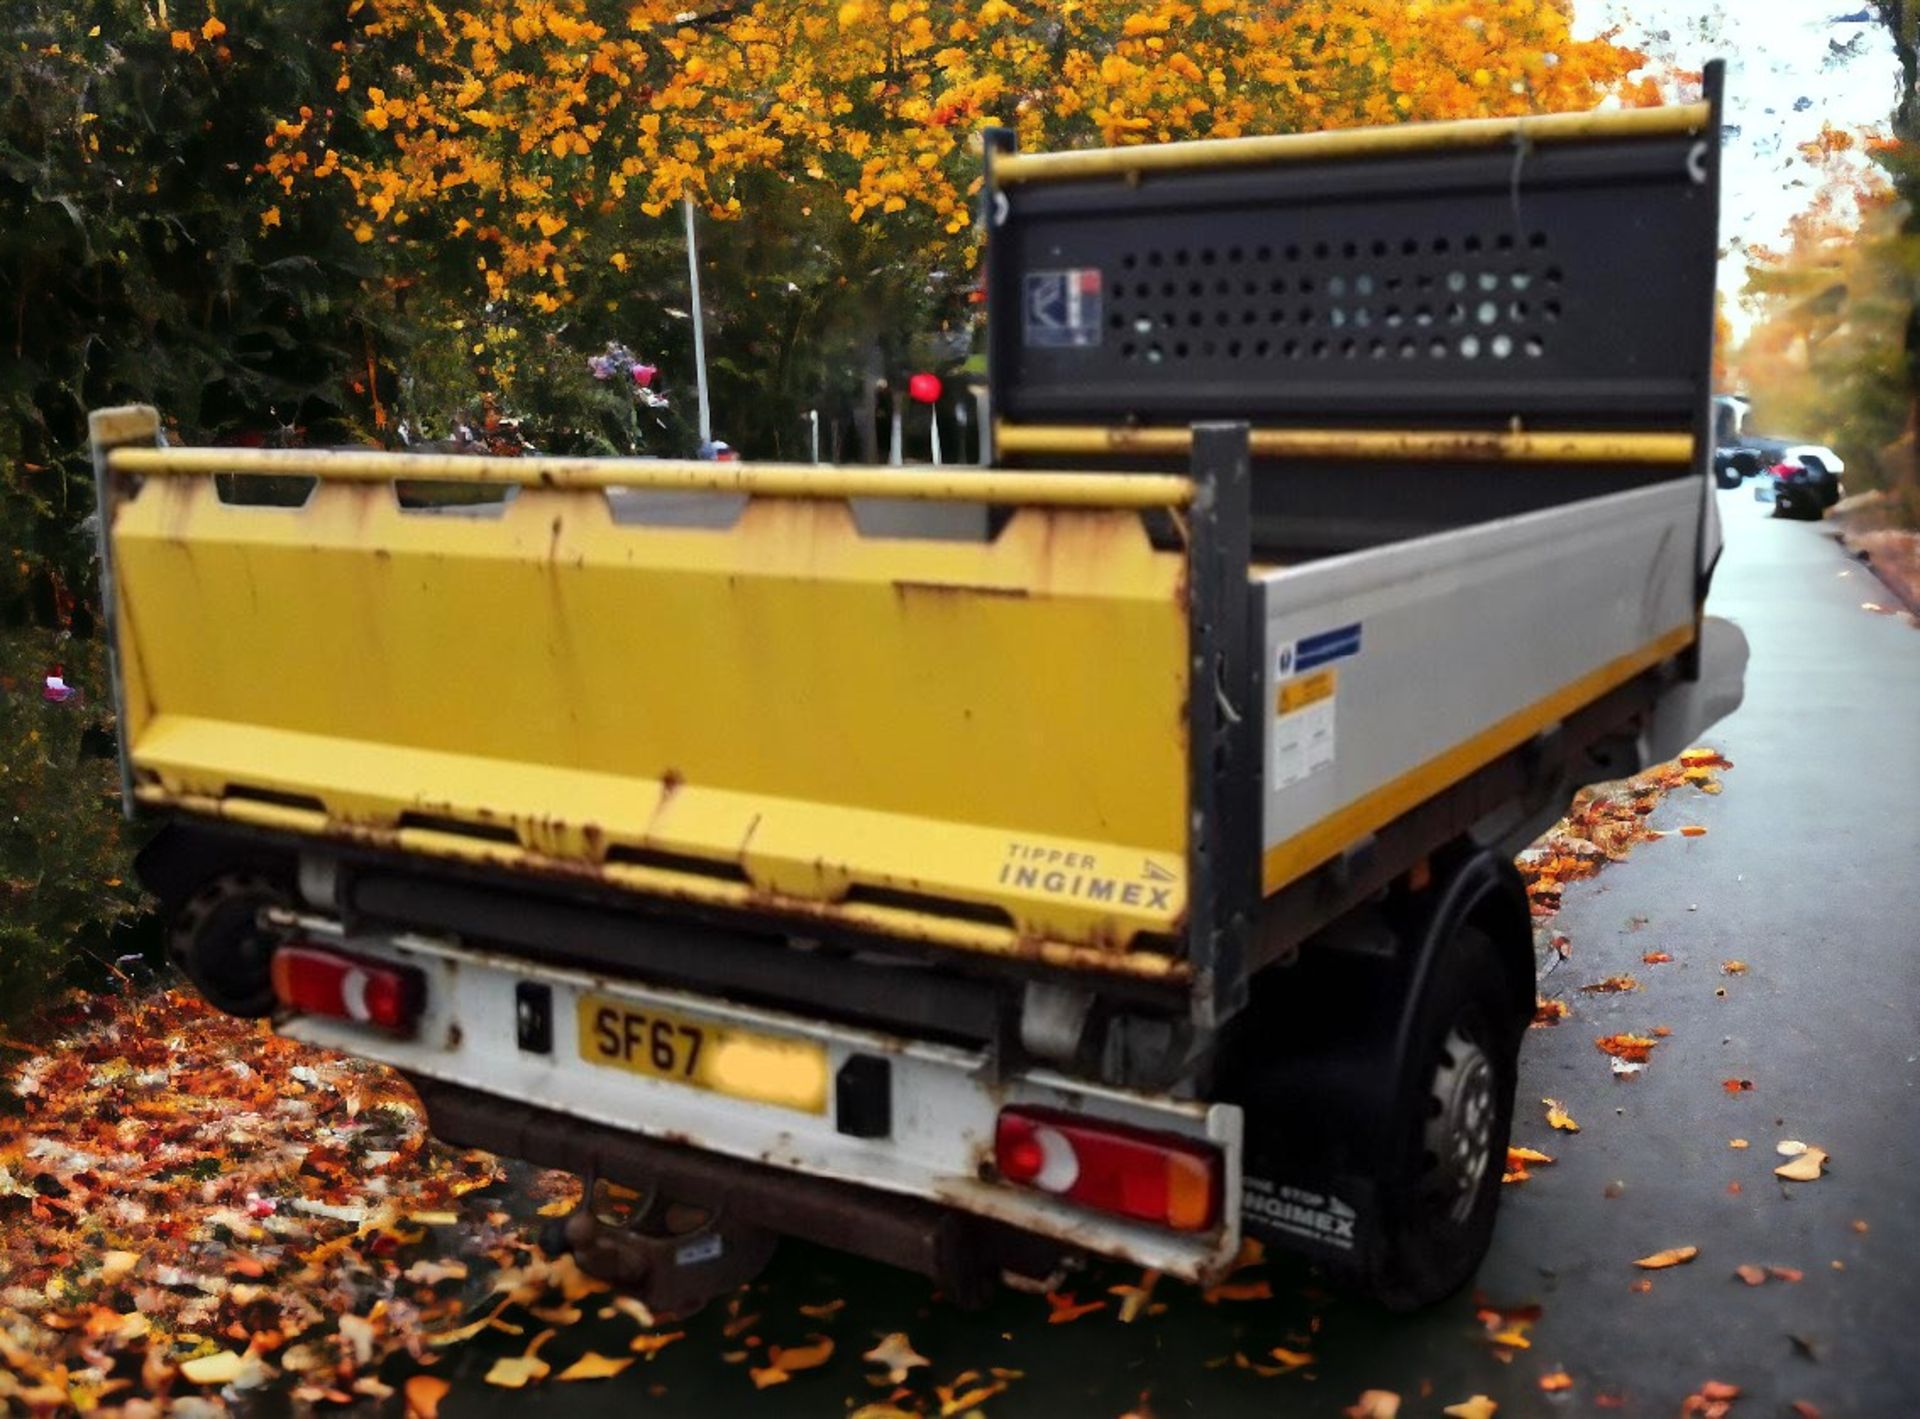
x: 979, y: 743
x: 1394, y: 673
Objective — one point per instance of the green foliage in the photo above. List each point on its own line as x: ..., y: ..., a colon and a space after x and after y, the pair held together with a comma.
x: 64, y: 885
x: 136, y: 264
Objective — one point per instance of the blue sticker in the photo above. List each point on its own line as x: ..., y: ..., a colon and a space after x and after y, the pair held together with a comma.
x: 1324, y: 648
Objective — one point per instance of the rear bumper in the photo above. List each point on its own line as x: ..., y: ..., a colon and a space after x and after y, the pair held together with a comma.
x: 905, y: 1191
x: 961, y: 1253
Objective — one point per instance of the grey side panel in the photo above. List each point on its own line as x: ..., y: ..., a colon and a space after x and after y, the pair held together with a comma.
x: 1381, y: 661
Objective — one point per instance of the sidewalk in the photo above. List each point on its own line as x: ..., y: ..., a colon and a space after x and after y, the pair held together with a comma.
x: 1810, y: 875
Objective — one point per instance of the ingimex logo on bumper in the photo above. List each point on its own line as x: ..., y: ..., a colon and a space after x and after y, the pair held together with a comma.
x: 1060, y: 872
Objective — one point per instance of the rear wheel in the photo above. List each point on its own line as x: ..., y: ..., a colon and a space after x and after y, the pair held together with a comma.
x: 216, y: 940
x: 1440, y: 1188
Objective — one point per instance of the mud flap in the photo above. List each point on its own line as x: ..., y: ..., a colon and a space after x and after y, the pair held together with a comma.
x: 1325, y: 1219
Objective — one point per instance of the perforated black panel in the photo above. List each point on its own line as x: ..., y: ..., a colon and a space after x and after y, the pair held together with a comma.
x: 1568, y: 286
x: 1495, y: 297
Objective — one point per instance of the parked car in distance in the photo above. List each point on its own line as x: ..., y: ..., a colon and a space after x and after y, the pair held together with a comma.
x: 1804, y: 483
x: 1739, y: 455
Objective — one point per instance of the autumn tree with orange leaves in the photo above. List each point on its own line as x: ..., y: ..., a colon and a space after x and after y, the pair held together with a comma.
x: 1827, y: 357
x: 541, y: 147
x: 531, y: 127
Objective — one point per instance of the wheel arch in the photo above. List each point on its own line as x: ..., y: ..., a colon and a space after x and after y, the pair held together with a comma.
x: 1477, y: 887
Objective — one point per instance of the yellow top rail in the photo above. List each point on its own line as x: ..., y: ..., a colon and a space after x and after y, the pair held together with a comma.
x: 1670, y: 120
x: 1460, y: 445
x: 770, y: 480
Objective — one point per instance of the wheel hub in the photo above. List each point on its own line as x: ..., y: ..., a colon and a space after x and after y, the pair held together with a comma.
x: 1459, y: 1133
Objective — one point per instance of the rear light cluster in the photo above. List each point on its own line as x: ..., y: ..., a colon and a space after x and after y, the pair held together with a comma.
x: 1788, y: 470
x: 312, y: 980
x: 1171, y: 1182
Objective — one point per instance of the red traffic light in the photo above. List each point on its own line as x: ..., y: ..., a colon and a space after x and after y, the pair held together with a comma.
x: 924, y: 387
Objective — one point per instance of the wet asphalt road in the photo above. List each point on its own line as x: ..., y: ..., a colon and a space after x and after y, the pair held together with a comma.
x: 1809, y: 873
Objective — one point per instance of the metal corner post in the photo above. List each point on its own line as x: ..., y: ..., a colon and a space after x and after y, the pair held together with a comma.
x: 1704, y: 168
x: 1223, y: 824
x: 130, y: 426
x: 996, y: 273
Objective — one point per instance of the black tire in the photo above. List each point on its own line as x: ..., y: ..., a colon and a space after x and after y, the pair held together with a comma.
x: 1441, y: 1189
x: 216, y: 940
x: 1725, y: 477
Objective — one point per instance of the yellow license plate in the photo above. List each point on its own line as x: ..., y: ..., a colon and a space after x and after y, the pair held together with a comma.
x: 742, y: 1064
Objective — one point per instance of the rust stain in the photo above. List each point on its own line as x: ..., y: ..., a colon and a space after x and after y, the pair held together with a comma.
x: 1104, y: 952
x: 948, y: 589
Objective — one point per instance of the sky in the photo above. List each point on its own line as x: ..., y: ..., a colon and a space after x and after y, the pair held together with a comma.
x: 1792, y: 65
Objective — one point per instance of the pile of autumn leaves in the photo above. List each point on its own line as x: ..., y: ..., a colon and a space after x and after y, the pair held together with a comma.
x: 1605, y: 822
x: 191, y: 1206
x: 193, y: 1209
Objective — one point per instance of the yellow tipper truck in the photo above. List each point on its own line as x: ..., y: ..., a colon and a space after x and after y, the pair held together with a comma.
x: 1103, y: 852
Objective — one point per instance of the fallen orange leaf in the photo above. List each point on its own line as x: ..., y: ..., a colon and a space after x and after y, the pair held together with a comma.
x: 1290, y: 1359
x: 826, y: 1310
x: 802, y: 1357
x: 1752, y: 1275
x: 591, y: 1366
x: 1655, y: 958
x: 1736, y: 1143
x: 953, y: 1400
x: 1550, y: 1012
x: 1693, y: 830
x: 651, y: 1345
x: 768, y: 1376
x: 1733, y: 968
x: 518, y: 1371
x: 1375, y: 1404
x: 1805, y: 1168
x: 1786, y: 1273
x: 1556, y: 1381
x: 221, y: 1367
x: 1643, y: 1284
x: 1612, y: 985
x: 1134, y: 1299
x: 1063, y: 1308
x: 1525, y: 1155
x: 1559, y: 1117
x: 1736, y: 1086
x: 423, y: 1395
x: 1632, y: 1048
x: 1479, y: 1407
x: 1672, y: 1256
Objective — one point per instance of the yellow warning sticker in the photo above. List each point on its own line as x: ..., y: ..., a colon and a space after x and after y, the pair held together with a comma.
x: 1304, y: 690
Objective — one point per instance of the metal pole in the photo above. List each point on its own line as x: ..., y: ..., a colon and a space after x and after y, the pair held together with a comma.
x: 699, y: 333
x: 933, y: 417
x: 895, y: 455
x: 813, y: 420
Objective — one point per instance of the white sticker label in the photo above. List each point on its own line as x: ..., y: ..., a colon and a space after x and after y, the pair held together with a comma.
x: 1303, y: 727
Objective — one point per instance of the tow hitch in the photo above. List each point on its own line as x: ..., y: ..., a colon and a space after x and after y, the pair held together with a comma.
x: 673, y: 1256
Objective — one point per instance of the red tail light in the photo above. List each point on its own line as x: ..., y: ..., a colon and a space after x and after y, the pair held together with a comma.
x: 313, y: 980
x: 1173, y: 1182
x: 1787, y: 470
